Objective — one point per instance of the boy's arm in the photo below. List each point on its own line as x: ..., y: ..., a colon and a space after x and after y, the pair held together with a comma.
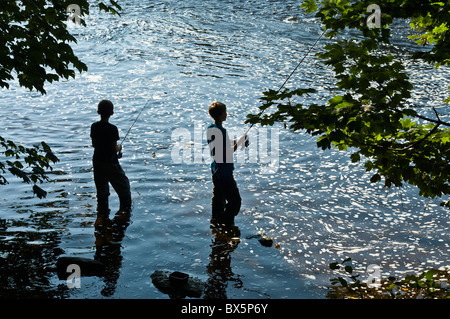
x: 92, y: 135
x: 117, y: 148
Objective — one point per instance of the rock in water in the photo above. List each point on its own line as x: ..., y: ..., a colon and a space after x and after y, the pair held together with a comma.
x: 263, y: 239
x: 291, y: 19
x: 88, y: 267
x: 266, y: 241
x: 190, y: 287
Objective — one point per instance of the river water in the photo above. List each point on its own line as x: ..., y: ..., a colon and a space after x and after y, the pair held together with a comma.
x: 179, y: 56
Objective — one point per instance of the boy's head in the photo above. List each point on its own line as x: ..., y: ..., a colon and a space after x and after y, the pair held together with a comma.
x: 218, y: 111
x: 105, y: 108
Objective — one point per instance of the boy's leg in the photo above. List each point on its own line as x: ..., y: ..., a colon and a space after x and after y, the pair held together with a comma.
x: 218, y: 201
x: 102, y: 187
x: 233, y: 199
x: 226, y: 200
x: 121, y: 185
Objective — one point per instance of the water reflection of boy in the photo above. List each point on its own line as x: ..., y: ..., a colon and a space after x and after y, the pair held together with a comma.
x: 107, y: 169
x: 108, y: 244
x: 226, y: 200
x: 219, y: 268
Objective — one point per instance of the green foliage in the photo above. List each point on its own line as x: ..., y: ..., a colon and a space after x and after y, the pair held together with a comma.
x: 354, y: 284
x: 429, y: 284
x: 35, y: 49
x: 35, y: 41
x: 36, y: 159
x: 114, y: 8
x: 373, y: 114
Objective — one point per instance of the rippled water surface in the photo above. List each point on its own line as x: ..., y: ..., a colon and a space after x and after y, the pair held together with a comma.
x: 318, y: 207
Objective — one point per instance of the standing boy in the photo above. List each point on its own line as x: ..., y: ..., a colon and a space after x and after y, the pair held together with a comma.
x: 226, y: 201
x: 107, y: 169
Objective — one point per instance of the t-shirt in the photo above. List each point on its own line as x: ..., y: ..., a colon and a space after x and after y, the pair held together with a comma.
x: 104, y: 135
x: 221, y: 150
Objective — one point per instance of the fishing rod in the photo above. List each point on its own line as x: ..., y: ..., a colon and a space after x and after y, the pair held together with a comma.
x: 121, y: 143
x: 290, y: 75
x: 281, y: 87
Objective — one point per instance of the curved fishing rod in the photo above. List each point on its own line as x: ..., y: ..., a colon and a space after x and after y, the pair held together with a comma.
x: 290, y: 75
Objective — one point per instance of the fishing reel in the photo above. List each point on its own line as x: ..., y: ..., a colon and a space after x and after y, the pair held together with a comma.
x: 243, y: 142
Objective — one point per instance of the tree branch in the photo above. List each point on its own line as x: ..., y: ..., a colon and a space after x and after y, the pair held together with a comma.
x: 438, y: 121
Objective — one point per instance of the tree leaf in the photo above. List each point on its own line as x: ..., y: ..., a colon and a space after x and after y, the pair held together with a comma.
x: 334, y: 265
x: 40, y: 193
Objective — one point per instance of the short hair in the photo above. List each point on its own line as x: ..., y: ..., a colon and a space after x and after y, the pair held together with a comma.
x: 105, y: 108
x: 216, y: 109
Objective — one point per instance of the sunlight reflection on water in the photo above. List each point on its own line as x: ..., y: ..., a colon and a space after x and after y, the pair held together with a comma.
x: 319, y: 207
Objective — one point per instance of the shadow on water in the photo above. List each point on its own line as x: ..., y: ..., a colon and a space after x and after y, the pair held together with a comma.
x: 30, y: 259
x: 109, y: 251
x: 25, y: 259
x: 107, y: 261
x: 178, y: 285
x: 219, y: 271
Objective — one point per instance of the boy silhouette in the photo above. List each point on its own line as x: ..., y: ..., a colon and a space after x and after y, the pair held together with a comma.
x: 226, y: 200
x: 107, y: 169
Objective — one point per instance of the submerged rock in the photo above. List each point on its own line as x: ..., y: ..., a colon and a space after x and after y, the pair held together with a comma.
x: 291, y: 19
x: 88, y: 267
x: 177, y: 284
x: 263, y: 239
x: 266, y: 241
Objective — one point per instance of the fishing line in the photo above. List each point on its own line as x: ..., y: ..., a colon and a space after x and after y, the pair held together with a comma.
x: 290, y: 75
x: 259, y: 115
x: 121, y: 143
x: 284, y: 83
